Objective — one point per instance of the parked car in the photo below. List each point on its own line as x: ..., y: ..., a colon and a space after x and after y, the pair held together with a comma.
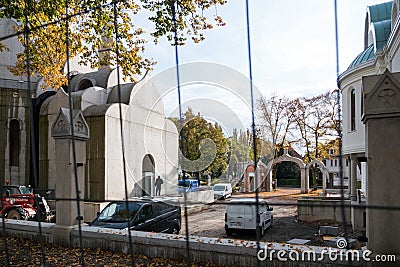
x: 143, y: 214
x: 241, y: 215
x: 188, y: 185
x: 222, y: 191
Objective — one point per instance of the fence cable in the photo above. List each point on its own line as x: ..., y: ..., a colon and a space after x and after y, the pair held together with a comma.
x: 180, y: 133
x: 342, y: 198
x: 32, y: 132
x: 121, y: 122
x: 253, y: 126
x: 79, y: 217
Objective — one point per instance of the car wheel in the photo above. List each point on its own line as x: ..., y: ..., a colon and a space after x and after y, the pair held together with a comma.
x: 228, y: 232
x: 272, y: 220
x: 16, y: 214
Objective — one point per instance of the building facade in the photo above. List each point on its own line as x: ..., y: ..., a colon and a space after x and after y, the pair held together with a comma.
x: 150, y: 140
x: 332, y: 164
x: 15, y: 101
x: 381, y: 44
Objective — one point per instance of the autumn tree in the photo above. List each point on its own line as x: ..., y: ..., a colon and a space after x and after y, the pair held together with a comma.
x: 203, y: 145
x: 316, y: 120
x: 277, y: 114
x: 91, y: 30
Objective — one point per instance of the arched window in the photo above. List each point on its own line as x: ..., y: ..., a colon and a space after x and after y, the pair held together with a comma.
x: 362, y: 103
x: 353, y: 110
x: 14, y: 142
x: 85, y: 83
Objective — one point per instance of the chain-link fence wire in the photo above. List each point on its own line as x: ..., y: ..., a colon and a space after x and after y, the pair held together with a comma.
x: 65, y: 19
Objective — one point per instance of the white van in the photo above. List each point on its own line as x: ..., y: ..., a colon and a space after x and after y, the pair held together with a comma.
x: 222, y: 191
x: 241, y: 215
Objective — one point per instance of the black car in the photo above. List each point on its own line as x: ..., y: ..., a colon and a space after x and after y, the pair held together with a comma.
x: 149, y: 215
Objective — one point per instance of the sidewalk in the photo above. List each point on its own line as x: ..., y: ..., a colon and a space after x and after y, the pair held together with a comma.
x: 277, y: 193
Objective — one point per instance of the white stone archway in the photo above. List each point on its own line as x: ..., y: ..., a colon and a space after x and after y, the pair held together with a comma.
x: 286, y: 157
x: 324, y: 172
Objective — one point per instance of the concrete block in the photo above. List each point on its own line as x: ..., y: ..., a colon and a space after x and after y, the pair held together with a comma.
x: 322, y: 209
x: 62, y: 235
x: 329, y: 230
x: 358, y: 216
x: 298, y: 241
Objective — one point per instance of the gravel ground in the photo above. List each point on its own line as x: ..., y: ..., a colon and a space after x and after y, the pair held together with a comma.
x: 210, y: 222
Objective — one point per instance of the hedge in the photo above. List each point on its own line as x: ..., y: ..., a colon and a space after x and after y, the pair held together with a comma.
x: 289, y: 182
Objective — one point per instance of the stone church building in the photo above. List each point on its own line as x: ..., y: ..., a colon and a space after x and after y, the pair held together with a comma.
x: 150, y: 140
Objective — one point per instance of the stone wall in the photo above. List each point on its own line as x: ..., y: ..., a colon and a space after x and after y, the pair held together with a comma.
x: 204, y: 196
x: 14, y: 105
x: 322, y: 209
x: 203, y: 250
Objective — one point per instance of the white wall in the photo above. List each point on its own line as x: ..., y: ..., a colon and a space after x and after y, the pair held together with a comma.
x: 146, y: 131
x: 353, y: 141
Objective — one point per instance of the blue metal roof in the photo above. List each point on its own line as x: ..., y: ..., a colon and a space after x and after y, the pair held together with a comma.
x: 380, y: 19
x: 380, y: 12
x: 364, y: 56
x: 382, y: 31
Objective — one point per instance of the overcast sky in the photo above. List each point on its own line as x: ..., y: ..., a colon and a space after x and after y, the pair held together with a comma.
x: 292, y: 42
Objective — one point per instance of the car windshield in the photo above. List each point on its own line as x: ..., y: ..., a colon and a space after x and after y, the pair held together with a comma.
x: 24, y: 190
x: 13, y: 190
x: 117, y: 212
x: 219, y: 187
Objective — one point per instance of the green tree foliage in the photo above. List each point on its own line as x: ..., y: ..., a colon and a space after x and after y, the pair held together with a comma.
x: 239, y: 145
x: 91, y: 30
x: 205, y: 147
x: 238, y: 151
x: 287, y: 170
x: 264, y: 148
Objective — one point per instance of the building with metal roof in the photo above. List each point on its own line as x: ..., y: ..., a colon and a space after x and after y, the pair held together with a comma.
x: 381, y: 53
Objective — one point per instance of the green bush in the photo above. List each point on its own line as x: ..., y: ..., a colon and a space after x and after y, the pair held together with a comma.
x: 289, y: 182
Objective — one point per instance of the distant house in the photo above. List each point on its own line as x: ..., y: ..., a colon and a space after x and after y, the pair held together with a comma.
x: 252, y: 179
x: 331, y: 162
